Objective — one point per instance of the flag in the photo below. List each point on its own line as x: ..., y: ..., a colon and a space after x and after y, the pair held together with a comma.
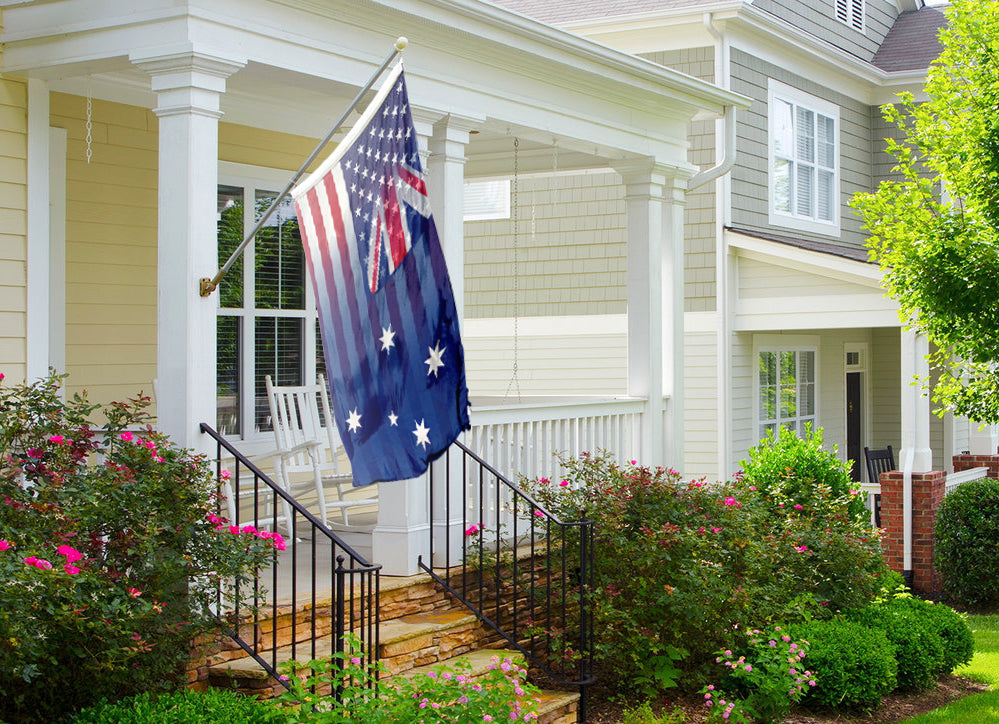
x: 386, y: 310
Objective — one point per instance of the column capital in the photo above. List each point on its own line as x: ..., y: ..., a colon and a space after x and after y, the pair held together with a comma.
x: 642, y: 175
x: 186, y: 80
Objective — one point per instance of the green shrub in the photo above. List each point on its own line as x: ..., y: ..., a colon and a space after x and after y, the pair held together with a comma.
x: 112, y: 551
x: 794, y: 470
x: 955, y: 634
x: 966, y: 539
x: 683, y: 569
x: 214, y: 706
x: 854, y: 665
x: 919, y: 648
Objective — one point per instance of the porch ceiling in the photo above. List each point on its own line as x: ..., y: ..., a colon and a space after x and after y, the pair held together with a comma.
x: 304, y: 61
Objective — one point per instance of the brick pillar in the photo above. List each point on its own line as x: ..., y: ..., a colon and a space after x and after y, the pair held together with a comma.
x: 965, y: 461
x: 927, y: 491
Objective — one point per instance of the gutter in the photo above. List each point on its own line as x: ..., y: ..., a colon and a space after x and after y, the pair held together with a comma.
x: 724, y: 165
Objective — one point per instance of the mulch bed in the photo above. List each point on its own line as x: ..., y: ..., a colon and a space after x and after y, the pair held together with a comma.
x: 895, y: 707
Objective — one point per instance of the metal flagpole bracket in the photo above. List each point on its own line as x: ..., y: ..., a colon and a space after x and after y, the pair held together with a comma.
x: 209, y: 285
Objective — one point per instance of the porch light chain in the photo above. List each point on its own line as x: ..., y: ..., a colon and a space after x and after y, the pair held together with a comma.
x: 514, y: 379
x: 90, y: 122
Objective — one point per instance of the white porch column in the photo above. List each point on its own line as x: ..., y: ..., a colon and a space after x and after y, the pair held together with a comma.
x: 915, y: 455
x: 38, y: 317
x: 654, y: 196
x: 188, y: 86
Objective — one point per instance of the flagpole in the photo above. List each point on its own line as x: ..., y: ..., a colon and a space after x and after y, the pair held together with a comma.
x: 210, y: 285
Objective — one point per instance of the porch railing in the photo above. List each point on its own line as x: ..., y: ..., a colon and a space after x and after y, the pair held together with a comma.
x: 521, y: 570
x: 317, y: 576
x: 522, y: 439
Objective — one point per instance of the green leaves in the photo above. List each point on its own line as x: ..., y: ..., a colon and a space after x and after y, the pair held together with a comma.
x: 934, y: 230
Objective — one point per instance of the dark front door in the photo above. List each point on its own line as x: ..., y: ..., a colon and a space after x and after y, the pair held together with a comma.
x: 854, y: 449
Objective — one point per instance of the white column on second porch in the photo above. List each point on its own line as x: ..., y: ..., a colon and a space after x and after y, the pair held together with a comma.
x: 188, y: 87
x: 915, y: 455
x: 654, y: 197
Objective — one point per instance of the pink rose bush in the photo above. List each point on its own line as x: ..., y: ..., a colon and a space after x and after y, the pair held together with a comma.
x: 111, y: 538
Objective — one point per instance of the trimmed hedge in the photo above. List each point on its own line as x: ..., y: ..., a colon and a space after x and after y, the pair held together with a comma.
x: 854, y: 665
x: 214, y: 706
x: 966, y: 539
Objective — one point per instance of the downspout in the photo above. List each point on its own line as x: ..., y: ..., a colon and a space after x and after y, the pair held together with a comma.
x: 724, y: 129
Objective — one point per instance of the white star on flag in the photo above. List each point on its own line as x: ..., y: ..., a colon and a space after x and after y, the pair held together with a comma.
x: 434, y: 361
x: 393, y: 419
x: 354, y: 421
x: 387, y: 339
x: 422, y: 433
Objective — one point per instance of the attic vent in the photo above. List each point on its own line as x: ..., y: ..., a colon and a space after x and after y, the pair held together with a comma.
x: 851, y: 12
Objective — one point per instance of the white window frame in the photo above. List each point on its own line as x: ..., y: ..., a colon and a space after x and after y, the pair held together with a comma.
x: 778, y: 344
x: 781, y: 92
x: 486, y: 199
x: 252, y: 179
x: 852, y: 13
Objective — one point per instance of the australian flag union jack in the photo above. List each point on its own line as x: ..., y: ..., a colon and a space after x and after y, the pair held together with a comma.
x: 386, y: 310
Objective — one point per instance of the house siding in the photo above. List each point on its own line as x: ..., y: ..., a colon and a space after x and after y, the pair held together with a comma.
x: 700, y: 412
x: 750, y: 187
x: 700, y: 230
x: 886, y: 388
x: 13, y: 222
x: 819, y: 19
x: 571, y: 247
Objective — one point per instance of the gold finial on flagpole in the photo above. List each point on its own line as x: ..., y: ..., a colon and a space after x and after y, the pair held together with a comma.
x: 401, y: 42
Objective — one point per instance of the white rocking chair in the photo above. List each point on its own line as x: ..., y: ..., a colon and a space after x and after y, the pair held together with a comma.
x: 308, y: 446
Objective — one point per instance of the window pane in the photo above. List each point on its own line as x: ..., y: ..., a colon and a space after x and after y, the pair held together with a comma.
x: 782, y: 185
x: 825, y: 196
x: 280, y: 261
x: 806, y: 366
x: 806, y: 135
x: 827, y: 142
x: 229, y: 222
x: 805, y: 189
x: 768, y: 368
x: 806, y: 399
x: 783, y: 128
x: 227, y: 386
x: 278, y: 353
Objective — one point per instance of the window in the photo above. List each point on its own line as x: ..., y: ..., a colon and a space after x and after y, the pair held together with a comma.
x: 266, y: 316
x: 786, y: 390
x: 804, y: 154
x: 851, y: 12
x: 486, y: 200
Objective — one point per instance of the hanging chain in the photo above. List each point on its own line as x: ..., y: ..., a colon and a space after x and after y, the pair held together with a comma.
x: 90, y: 122
x: 514, y: 379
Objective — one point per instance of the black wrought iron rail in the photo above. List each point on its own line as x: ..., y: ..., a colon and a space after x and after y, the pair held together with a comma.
x: 523, y: 572
x: 351, y: 580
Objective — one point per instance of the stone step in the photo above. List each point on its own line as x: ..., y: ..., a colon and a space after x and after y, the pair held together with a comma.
x: 404, y: 643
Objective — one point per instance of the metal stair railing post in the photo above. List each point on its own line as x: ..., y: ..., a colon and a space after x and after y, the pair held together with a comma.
x: 534, y: 556
x: 361, y: 596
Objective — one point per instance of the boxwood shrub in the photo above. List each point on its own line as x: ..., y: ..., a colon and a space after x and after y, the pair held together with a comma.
x: 919, y: 648
x: 214, y: 706
x: 966, y: 541
x: 854, y: 665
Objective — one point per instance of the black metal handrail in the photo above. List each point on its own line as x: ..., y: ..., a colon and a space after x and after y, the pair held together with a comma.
x: 353, y: 588
x: 523, y: 572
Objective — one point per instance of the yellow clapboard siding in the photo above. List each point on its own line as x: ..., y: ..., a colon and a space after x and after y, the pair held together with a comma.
x: 12, y: 352
x: 137, y: 138
x: 103, y: 156
x: 113, y: 354
x: 120, y: 214
x: 124, y: 254
x: 13, y: 170
x: 12, y: 247
x: 101, y: 272
x: 14, y: 118
x: 136, y: 178
x: 13, y: 143
x: 13, y: 195
x: 126, y: 376
x: 88, y: 232
x: 12, y: 273
x: 13, y: 298
x: 116, y: 194
x: 106, y: 304
x: 12, y: 324
x: 13, y: 221
x: 107, y: 333
x: 13, y: 93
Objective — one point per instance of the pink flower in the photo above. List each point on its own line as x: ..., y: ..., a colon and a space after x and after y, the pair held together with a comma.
x: 355, y: 660
x: 71, y: 569
x: 72, y: 555
x: 1, y: 376
x: 57, y: 439
x: 563, y: 484
x: 134, y: 592
x: 4, y: 545
x: 30, y: 561
x: 158, y: 459
x: 248, y: 529
x: 730, y: 501
x: 234, y: 529
x: 486, y: 717
x: 544, y: 481
x: 126, y: 436
x: 279, y: 542
x: 799, y: 506
x: 472, y: 529
x: 43, y: 564
x: 539, y: 513
x: 226, y: 475
x: 715, y: 530
x: 633, y: 462
x: 801, y: 548
x: 34, y: 452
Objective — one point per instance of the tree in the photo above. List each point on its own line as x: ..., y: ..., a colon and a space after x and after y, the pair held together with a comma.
x: 935, y: 230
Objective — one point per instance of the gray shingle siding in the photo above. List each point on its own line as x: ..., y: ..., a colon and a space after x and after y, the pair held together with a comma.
x: 750, y: 182
x: 699, y: 214
x: 818, y: 18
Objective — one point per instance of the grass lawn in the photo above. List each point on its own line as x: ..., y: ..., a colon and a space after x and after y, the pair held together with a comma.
x: 984, y: 667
